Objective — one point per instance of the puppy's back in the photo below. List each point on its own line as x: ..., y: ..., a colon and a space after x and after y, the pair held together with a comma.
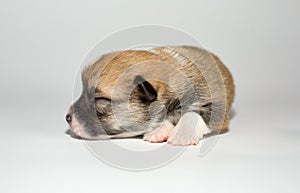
x: 209, y: 66
x: 199, y: 55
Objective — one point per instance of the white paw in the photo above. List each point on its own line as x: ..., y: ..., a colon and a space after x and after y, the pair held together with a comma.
x: 189, y: 130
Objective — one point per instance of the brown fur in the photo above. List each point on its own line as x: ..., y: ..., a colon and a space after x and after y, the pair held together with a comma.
x: 208, y: 76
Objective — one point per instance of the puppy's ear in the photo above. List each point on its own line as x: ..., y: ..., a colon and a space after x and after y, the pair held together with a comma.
x: 147, y: 92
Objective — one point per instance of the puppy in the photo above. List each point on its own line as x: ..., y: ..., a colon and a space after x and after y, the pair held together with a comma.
x: 176, y: 94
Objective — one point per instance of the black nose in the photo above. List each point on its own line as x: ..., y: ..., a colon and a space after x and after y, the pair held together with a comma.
x: 69, y: 118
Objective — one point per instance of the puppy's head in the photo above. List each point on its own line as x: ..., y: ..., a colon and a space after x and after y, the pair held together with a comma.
x: 108, y: 107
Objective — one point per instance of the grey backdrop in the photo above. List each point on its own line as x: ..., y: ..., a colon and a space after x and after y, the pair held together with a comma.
x: 42, y: 44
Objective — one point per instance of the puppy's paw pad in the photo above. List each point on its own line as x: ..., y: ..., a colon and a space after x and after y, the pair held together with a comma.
x: 160, y: 134
x: 155, y: 138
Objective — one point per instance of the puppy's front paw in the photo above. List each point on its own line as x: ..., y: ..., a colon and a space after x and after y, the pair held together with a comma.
x: 160, y: 134
x: 189, y: 130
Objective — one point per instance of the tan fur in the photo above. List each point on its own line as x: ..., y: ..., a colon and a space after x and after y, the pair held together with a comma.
x: 114, y: 64
x: 190, y: 77
x: 118, y: 65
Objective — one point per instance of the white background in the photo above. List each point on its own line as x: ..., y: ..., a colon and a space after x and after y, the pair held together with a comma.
x: 42, y: 44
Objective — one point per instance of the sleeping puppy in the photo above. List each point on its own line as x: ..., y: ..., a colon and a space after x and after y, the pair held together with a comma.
x: 174, y: 94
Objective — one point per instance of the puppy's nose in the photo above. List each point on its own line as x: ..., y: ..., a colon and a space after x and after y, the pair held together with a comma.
x: 69, y: 118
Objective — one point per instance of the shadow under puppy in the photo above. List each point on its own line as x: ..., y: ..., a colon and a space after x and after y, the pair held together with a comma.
x: 174, y: 94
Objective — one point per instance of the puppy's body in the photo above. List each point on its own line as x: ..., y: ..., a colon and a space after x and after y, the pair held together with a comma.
x: 146, y: 93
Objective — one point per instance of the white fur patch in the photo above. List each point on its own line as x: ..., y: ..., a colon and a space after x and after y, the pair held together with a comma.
x: 189, y: 130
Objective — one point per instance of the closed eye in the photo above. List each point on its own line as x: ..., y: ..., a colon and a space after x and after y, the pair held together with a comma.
x: 101, y: 98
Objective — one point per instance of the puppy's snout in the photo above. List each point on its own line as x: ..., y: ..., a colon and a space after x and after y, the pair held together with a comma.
x: 69, y: 118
